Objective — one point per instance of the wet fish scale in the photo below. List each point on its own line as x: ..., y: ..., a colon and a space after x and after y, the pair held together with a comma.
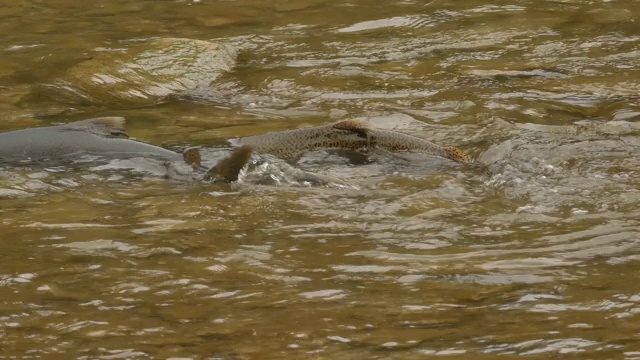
x: 290, y: 144
x: 350, y: 135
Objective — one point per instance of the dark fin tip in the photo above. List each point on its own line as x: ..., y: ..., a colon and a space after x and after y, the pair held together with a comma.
x: 358, y: 127
x: 229, y: 168
x: 192, y: 157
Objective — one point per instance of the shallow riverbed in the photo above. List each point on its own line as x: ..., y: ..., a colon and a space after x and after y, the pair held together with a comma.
x: 534, y: 256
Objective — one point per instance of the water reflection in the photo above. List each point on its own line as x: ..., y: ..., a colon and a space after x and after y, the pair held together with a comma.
x: 414, y: 258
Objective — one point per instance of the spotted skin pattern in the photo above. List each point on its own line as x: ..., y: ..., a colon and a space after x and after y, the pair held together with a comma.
x: 358, y: 127
x: 348, y: 135
x: 291, y: 144
x: 456, y: 154
x: 399, y: 142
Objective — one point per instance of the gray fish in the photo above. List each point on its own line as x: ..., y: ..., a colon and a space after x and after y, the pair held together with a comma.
x: 99, y: 136
x: 106, y: 136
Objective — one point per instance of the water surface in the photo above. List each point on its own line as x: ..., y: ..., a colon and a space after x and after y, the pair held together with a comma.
x: 535, y: 257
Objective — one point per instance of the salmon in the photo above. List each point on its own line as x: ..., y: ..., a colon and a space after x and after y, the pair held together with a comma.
x: 345, y: 135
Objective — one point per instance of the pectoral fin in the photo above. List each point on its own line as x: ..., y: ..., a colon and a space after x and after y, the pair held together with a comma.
x: 229, y: 168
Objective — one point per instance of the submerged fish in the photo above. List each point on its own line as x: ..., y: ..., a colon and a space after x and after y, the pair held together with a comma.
x: 107, y: 137
x: 289, y: 145
x: 348, y: 135
x: 99, y: 136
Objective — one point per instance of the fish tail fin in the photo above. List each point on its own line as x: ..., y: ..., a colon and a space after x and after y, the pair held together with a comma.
x: 192, y: 157
x: 229, y: 168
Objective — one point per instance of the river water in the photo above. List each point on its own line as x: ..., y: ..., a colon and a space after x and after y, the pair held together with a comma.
x: 536, y: 256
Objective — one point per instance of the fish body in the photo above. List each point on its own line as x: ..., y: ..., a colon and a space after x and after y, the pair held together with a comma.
x: 347, y: 135
x: 107, y: 137
x: 291, y: 144
x: 99, y: 136
x: 394, y: 141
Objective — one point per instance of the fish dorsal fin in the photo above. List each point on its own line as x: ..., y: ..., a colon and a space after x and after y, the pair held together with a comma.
x: 229, y: 168
x: 359, y: 128
x: 351, y: 124
x: 109, y: 126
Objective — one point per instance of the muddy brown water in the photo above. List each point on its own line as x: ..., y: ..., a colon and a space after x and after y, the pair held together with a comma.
x: 536, y: 258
